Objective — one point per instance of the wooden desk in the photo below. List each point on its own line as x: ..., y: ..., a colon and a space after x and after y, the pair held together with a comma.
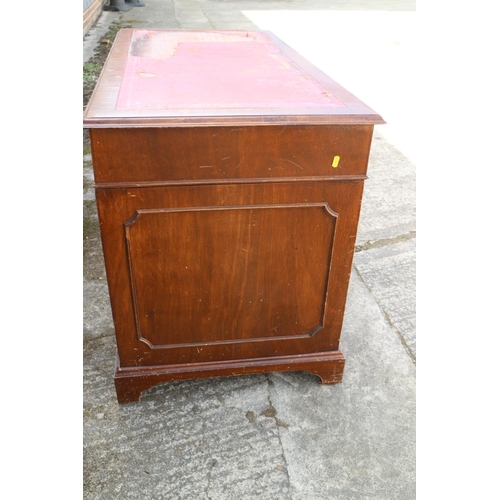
x: 229, y: 174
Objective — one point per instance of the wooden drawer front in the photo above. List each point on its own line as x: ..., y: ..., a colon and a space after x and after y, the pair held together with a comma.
x: 223, y: 154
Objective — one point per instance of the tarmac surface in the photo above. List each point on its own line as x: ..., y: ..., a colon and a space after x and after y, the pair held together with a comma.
x: 282, y: 435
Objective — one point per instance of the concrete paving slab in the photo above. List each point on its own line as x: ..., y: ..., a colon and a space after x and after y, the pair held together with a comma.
x: 388, y: 210
x: 210, y: 439
x: 97, y: 317
x: 389, y: 273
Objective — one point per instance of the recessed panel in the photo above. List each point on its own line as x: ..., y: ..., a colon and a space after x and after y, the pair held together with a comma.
x: 229, y: 274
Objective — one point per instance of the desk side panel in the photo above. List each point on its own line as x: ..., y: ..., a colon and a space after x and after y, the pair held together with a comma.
x: 225, y: 272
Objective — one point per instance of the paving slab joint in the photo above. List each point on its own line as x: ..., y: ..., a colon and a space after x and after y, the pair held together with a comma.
x: 271, y: 412
x: 174, y: 11
x: 388, y: 319
x: 206, y: 16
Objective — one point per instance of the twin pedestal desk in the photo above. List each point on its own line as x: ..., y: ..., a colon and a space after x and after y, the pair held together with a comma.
x: 229, y: 174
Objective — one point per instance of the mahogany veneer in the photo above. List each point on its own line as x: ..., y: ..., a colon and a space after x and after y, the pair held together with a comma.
x: 229, y: 175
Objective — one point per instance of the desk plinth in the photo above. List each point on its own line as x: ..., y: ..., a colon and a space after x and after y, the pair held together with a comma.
x: 229, y: 175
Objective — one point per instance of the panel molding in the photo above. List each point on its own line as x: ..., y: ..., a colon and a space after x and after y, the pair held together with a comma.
x: 212, y: 182
x: 140, y: 213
